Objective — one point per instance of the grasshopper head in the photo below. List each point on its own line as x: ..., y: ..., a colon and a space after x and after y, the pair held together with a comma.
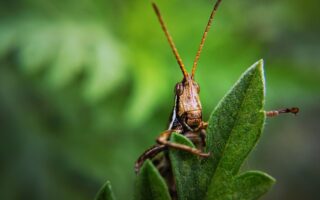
x: 188, y: 102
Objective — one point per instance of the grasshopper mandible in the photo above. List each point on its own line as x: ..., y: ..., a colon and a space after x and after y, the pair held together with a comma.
x: 186, y: 116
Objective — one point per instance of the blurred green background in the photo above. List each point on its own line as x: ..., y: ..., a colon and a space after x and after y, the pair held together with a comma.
x: 86, y: 86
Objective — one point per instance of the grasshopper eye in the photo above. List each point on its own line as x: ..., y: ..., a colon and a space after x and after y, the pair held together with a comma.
x: 179, y: 89
x: 196, y: 85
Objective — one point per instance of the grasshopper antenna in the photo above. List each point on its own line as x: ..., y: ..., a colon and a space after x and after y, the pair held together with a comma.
x: 169, y: 38
x: 213, y: 12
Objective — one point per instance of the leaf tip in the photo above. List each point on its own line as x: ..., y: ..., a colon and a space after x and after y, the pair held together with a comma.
x: 105, y: 192
x: 271, y: 180
x: 261, y: 61
x: 147, y: 165
x: 258, y: 65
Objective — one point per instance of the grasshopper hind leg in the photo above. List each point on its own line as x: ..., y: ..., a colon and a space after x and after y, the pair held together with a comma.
x: 148, y: 154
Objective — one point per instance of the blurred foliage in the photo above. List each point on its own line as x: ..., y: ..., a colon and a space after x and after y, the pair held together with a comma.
x: 86, y: 86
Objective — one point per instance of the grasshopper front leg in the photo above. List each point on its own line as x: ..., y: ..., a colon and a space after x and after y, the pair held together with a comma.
x: 163, y: 139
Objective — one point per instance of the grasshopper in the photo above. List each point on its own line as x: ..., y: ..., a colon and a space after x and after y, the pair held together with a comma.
x: 186, y: 116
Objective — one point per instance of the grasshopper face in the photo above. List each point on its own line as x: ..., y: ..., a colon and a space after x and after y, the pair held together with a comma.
x: 188, y: 105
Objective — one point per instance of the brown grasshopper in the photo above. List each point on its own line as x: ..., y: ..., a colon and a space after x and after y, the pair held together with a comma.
x: 186, y: 116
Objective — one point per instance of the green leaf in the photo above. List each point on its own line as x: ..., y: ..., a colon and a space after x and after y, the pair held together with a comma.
x: 234, y: 129
x: 105, y: 193
x: 251, y: 185
x: 150, y: 185
x: 185, y: 167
